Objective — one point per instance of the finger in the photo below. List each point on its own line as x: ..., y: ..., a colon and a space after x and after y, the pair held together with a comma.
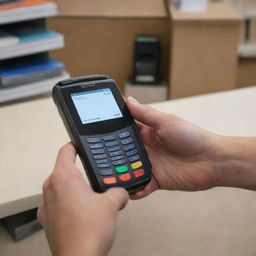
x: 40, y: 213
x: 119, y: 196
x: 151, y: 187
x: 144, y: 113
x: 66, y: 155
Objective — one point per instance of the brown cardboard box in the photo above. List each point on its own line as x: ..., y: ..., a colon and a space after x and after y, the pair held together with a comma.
x: 204, y: 50
x: 147, y: 93
x: 246, y: 72
x: 99, y: 35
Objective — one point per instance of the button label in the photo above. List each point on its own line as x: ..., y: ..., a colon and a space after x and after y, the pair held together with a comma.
x: 109, y: 180
x: 123, y: 168
x: 125, y: 177
x: 136, y: 165
x: 139, y: 173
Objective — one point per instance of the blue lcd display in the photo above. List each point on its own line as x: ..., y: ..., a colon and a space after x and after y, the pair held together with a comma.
x: 96, y: 106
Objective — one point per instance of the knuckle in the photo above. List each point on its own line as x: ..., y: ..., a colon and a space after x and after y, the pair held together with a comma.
x: 56, y: 179
x: 45, y: 185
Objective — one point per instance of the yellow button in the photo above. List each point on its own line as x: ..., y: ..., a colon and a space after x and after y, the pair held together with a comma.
x: 136, y: 165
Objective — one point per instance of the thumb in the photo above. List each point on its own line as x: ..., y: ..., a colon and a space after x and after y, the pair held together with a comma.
x: 118, y: 196
x: 144, y: 113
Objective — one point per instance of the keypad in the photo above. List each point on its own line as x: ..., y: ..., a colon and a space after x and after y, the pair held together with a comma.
x: 116, y: 157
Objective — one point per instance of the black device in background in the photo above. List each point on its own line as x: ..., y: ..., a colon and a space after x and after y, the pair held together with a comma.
x: 146, y: 60
x: 104, y: 133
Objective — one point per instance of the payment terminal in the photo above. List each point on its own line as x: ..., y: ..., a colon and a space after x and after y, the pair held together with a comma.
x: 103, y: 132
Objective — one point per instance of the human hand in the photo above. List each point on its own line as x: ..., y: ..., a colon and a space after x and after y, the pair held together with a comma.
x: 77, y: 221
x: 182, y: 155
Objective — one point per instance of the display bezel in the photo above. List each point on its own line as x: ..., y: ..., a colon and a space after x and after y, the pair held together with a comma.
x: 100, y: 127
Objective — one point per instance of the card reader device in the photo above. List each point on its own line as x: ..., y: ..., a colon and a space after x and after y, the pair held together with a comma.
x: 103, y: 132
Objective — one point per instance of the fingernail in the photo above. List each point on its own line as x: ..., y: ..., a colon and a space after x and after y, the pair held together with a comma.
x: 133, y: 100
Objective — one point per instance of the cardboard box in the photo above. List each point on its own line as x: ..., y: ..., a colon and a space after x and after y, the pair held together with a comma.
x: 204, y: 50
x: 246, y: 72
x: 147, y: 93
x: 99, y: 35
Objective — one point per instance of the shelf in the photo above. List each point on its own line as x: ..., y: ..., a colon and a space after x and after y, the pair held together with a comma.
x: 32, y: 89
x: 32, y: 47
x: 18, y: 14
x: 247, y: 50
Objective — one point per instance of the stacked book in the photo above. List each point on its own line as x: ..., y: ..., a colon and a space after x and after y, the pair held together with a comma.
x: 25, y: 66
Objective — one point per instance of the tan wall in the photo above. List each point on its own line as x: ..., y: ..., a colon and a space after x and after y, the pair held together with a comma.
x: 104, y: 45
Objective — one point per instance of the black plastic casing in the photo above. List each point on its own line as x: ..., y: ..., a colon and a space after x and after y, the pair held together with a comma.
x: 79, y: 132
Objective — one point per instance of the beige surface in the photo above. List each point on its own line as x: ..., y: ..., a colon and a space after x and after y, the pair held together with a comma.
x: 216, y: 222
x: 203, y: 55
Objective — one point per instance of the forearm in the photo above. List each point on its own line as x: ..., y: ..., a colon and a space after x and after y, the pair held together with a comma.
x: 236, y: 162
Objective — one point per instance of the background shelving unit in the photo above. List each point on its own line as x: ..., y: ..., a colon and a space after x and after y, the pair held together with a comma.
x: 36, y: 39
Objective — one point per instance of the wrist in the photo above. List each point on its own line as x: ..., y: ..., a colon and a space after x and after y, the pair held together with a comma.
x: 81, y: 247
x: 235, y: 163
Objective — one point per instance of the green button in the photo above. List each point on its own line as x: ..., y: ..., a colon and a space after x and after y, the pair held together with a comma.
x: 122, y: 168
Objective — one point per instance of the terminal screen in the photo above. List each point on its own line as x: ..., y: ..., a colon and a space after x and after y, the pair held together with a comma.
x: 96, y: 106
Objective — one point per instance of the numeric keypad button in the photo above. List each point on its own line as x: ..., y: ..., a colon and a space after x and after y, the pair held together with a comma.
x: 112, y: 149
x: 106, y: 172
x: 101, y: 156
x: 127, y: 141
x: 98, y: 151
x: 102, y: 161
x: 93, y: 140
x: 129, y: 147
x: 117, y: 158
x: 124, y: 134
x: 107, y: 165
x: 109, y: 137
x: 111, y: 143
x: 134, y: 158
x: 96, y: 146
x: 132, y: 152
x: 119, y: 162
x: 115, y: 153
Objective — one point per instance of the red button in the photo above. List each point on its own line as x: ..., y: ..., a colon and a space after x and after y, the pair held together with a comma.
x: 125, y: 177
x: 139, y: 173
x: 109, y: 180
